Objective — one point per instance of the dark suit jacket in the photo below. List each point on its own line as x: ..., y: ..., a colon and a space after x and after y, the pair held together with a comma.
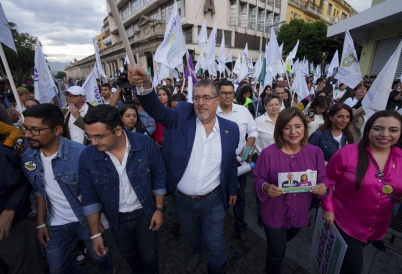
x: 79, y: 123
x: 286, y: 103
x: 180, y: 127
x: 295, y: 183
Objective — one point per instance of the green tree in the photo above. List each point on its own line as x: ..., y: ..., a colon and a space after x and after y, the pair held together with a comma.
x: 314, y: 44
x: 60, y: 75
x: 21, y: 64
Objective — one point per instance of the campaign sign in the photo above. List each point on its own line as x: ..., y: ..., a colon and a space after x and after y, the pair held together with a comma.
x: 292, y: 182
x: 327, y: 249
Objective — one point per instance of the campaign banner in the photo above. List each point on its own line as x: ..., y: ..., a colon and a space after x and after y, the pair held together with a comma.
x: 293, y: 182
x: 327, y: 249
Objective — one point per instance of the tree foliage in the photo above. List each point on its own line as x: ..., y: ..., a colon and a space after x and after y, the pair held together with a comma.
x: 314, y: 44
x: 60, y: 75
x: 21, y: 64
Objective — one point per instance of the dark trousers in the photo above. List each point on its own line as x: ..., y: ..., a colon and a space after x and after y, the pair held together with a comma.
x: 20, y: 252
x: 239, y: 208
x: 353, y: 260
x: 136, y: 242
x: 202, y: 224
x: 277, y: 239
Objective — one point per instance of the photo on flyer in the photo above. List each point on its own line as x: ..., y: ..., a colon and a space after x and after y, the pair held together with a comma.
x: 292, y: 182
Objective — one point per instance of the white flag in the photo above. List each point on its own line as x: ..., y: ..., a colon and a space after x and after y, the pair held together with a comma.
x: 300, y: 84
x: 161, y: 73
x: 293, y: 53
x: 98, y: 64
x: 210, y: 49
x: 222, y: 57
x: 377, y: 97
x: 203, y: 36
x: 173, y: 48
x: 334, y: 64
x: 91, y: 89
x: 317, y: 73
x: 5, y: 33
x: 258, y: 66
x: 44, y: 86
x: 236, y: 69
x: 200, y: 62
x: 244, y: 64
x: 273, y: 50
x: 349, y: 69
x: 228, y: 58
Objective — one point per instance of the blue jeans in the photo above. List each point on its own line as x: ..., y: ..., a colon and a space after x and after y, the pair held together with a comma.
x: 202, y: 222
x: 136, y: 242
x: 63, y: 240
x: 276, y: 245
x: 239, y: 208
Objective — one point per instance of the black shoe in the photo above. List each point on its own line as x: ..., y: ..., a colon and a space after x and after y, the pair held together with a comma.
x: 81, y: 255
x: 259, y: 221
x: 243, y: 238
x: 379, y: 245
x: 192, y: 262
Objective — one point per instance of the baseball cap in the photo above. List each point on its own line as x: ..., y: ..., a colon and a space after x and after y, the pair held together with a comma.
x: 23, y: 90
x: 76, y: 90
x: 280, y: 79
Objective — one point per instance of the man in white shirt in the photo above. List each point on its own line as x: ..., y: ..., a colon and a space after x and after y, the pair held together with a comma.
x: 51, y: 166
x: 247, y: 126
x: 360, y: 91
x: 77, y: 108
x: 200, y: 155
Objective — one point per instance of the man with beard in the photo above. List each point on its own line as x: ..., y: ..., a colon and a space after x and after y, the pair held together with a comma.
x: 200, y: 155
x: 51, y: 166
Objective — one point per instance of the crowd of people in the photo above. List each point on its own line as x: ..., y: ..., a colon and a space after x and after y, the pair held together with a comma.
x: 70, y: 172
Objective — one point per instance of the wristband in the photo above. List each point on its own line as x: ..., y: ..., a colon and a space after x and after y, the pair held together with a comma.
x: 40, y: 226
x: 96, y: 235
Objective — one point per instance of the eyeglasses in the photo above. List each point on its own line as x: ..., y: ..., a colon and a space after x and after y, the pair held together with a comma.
x: 69, y: 95
x: 205, y: 98
x: 33, y: 131
x: 227, y: 94
x: 98, y: 137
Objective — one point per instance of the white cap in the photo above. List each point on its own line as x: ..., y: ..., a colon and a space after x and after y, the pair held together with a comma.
x: 280, y: 79
x: 76, y: 90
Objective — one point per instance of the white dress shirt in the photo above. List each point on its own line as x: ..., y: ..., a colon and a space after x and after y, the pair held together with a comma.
x: 128, y: 200
x: 242, y: 117
x: 266, y: 128
x: 351, y: 101
x: 202, y: 174
x: 76, y: 133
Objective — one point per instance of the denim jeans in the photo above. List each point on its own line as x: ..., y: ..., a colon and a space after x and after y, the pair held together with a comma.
x: 202, y: 223
x: 63, y: 240
x: 277, y: 239
x: 136, y: 242
x: 239, y: 208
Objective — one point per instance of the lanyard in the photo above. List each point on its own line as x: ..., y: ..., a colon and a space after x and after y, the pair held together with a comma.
x: 381, y: 175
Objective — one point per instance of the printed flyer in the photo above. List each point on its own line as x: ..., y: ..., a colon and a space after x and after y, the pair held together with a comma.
x: 292, y: 182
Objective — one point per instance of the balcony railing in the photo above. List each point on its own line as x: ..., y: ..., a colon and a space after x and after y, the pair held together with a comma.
x: 297, y: 3
x: 313, y: 9
x: 107, y: 41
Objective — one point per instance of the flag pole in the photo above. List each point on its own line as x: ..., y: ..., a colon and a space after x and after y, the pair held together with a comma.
x: 10, y: 78
x: 123, y: 36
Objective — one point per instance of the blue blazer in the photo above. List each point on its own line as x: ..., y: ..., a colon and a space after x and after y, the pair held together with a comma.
x: 180, y: 127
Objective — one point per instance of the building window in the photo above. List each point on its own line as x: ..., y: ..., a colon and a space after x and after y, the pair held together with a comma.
x: 154, y: 15
x: 189, y: 36
x: 343, y: 16
x: 243, y: 16
x: 270, y: 21
x: 233, y: 13
x: 125, y: 12
x: 261, y: 19
x: 129, y: 31
x: 136, y: 27
x: 329, y: 9
x: 136, y: 5
x: 253, y: 18
x: 228, y: 37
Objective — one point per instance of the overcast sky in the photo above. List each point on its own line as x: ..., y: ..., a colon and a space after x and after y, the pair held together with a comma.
x: 66, y: 27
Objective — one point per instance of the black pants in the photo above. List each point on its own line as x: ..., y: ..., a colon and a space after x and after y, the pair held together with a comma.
x: 353, y: 261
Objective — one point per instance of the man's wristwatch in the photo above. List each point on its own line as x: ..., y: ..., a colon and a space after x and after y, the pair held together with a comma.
x: 161, y: 209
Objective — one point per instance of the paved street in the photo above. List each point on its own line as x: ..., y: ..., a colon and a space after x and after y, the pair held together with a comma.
x: 174, y: 250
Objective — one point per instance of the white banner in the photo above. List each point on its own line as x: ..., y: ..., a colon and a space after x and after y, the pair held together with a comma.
x: 91, y: 89
x: 327, y: 249
x: 44, y: 86
x: 5, y: 33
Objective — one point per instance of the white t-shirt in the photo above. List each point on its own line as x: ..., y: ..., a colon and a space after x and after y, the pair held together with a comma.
x: 60, y: 211
x: 338, y: 138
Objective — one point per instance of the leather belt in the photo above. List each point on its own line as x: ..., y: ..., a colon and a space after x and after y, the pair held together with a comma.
x: 196, y: 198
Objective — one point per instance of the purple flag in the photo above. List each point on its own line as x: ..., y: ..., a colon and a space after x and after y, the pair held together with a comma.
x: 190, y: 69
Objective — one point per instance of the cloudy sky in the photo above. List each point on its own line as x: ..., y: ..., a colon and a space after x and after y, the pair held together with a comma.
x: 66, y: 27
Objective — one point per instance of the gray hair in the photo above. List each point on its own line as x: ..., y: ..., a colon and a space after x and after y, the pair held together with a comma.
x: 208, y: 83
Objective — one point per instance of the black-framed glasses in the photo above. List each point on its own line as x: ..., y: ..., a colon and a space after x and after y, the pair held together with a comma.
x: 34, y: 131
x: 205, y: 98
x: 98, y: 137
